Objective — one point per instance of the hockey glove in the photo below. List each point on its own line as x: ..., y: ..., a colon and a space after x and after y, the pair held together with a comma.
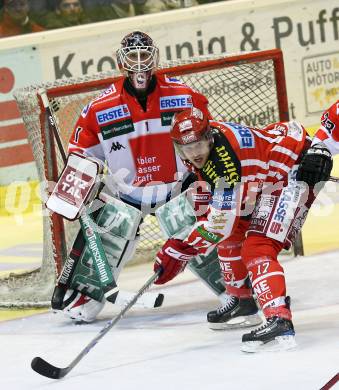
x: 172, y: 259
x: 76, y: 186
x: 316, y: 165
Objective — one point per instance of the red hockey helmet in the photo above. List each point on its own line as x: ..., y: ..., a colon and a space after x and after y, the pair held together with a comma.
x: 190, y: 126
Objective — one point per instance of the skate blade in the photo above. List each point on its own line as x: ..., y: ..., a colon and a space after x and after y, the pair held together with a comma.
x: 280, y: 343
x: 237, y: 323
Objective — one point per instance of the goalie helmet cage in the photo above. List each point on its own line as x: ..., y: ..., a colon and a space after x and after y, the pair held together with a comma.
x: 247, y: 88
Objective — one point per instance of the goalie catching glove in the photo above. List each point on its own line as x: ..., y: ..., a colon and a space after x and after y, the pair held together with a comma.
x: 316, y: 165
x: 76, y: 186
x: 172, y: 259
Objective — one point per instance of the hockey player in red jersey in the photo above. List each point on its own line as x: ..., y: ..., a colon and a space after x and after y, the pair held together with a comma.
x: 256, y: 210
x: 324, y: 144
x: 127, y: 126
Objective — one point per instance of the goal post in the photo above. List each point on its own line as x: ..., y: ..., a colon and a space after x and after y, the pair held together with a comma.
x: 247, y: 88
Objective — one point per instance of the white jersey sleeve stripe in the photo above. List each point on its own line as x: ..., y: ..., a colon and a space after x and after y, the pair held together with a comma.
x: 280, y: 166
x: 286, y: 151
x: 251, y: 162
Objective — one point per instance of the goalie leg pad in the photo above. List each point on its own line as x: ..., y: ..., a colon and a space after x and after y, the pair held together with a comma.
x: 118, y: 225
x: 81, y: 308
x: 207, y: 268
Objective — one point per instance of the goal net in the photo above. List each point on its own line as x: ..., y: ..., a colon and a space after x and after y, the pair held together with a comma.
x: 247, y: 88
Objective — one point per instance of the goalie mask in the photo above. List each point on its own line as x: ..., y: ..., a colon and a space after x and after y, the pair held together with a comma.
x: 138, y: 58
x: 191, y: 135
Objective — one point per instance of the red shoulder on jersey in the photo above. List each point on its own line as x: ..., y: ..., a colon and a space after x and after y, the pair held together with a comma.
x: 85, y: 133
x: 199, y: 100
x: 329, y: 123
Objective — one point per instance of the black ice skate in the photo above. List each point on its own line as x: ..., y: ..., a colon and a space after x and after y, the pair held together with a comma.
x: 277, y: 334
x: 236, y: 313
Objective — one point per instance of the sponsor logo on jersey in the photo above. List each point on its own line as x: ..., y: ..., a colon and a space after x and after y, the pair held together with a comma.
x: 113, y: 114
x: 284, y: 213
x: 116, y: 146
x: 223, y: 168
x: 243, y: 134
x: 223, y: 201
x: 116, y: 129
x: 172, y: 80
x: 201, y: 198
x: 283, y: 205
x: 166, y: 118
x: 209, y: 236
x: 175, y: 102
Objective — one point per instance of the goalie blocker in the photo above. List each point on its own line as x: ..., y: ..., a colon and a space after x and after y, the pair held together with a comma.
x: 76, y: 187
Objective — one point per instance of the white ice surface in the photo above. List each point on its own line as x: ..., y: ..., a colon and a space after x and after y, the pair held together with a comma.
x: 172, y: 347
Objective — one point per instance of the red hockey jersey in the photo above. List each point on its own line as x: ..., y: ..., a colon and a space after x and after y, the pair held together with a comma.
x: 135, y: 143
x: 249, y: 156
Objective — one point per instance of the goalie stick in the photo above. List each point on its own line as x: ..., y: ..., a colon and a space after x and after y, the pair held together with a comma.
x: 92, y: 237
x: 44, y: 368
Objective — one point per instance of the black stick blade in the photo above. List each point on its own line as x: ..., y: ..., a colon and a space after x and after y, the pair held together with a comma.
x: 159, y: 300
x: 44, y: 368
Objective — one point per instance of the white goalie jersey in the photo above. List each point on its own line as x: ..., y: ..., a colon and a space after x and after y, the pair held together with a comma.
x: 136, y: 143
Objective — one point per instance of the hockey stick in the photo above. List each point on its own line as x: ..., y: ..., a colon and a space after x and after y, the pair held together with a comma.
x: 92, y: 237
x: 331, y: 383
x: 44, y: 368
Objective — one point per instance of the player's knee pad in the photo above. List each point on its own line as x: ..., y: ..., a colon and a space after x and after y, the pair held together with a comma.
x: 80, y: 307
